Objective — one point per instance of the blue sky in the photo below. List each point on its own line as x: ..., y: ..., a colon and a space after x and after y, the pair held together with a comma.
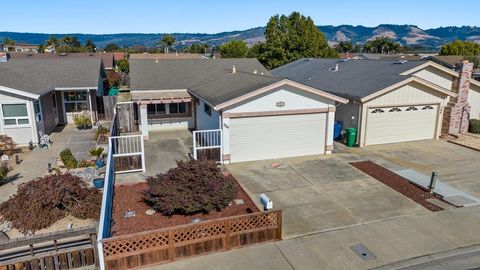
x: 211, y: 16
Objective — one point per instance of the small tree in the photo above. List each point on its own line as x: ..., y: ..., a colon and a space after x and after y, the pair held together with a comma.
x: 123, y: 65
x: 41, y: 202
x: 112, y: 47
x: 7, y: 145
x: 191, y: 187
x: 234, y: 49
x: 167, y: 41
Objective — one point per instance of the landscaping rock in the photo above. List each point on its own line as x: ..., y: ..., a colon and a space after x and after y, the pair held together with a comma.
x: 129, y: 213
x: 6, y: 226
x: 150, y: 212
x: 196, y: 220
x: 70, y: 226
x: 239, y: 201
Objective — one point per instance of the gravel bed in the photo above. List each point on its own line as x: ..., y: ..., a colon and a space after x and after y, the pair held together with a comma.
x: 470, y: 140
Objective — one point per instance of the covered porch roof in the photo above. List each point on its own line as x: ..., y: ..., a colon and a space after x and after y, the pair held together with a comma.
x: 164, y: 96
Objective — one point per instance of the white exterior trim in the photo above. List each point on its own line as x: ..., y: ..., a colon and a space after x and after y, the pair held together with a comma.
x: 75, y: 88
x: 430, y: 64
x: 18, y: 92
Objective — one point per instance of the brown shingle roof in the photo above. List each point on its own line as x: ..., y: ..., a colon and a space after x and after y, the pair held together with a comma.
x: 162, y: 56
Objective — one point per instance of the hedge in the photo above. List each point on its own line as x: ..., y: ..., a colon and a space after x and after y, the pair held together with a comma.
x: 474, y: 126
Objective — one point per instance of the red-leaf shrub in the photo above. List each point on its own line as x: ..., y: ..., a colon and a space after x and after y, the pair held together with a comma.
x: 191, y: 187
x: 41, y: 202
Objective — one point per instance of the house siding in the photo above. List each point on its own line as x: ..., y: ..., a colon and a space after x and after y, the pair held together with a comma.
x: 205, y: 121
x: 21, y: 135
x: 348, y: 114
x: 474, y: 101
x: 48, y: 114
x: 436, y: 76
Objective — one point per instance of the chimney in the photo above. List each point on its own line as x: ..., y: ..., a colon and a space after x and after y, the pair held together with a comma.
x: 234, y: 70
x: 457, y: 112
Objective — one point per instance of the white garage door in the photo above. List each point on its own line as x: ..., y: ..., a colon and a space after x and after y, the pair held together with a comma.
x: 270, y: 137
x: 401, y: 124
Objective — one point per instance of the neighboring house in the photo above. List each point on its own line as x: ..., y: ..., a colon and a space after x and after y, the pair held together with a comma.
x: 261, y: 116
x: 49, y: 49
x: 20, y: 48
x: 454, y: 62
x: 38, y: 95
x: 393, y: 101
x: 162, y: 56
x: 4, y: 57
x: 107, y: 58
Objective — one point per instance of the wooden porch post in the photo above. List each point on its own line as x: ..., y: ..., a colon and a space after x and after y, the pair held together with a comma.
x: 90, y: 105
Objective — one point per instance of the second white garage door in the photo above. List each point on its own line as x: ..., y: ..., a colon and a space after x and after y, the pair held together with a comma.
x: 269, y: 137
x: 401, y: 124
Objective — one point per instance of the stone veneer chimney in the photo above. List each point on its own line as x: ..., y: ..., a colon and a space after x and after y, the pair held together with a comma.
x: 457, y: 112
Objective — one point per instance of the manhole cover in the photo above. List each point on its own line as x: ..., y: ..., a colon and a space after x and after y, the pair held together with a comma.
x: 363, y: 252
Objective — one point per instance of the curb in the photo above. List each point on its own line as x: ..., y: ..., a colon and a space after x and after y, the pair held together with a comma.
x: 463, y: 145
x: 429, y: 258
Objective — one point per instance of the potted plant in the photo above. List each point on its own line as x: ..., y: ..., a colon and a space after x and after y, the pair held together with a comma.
x: 78, y: 120
x: 97, y: 152
x: 87, y: 123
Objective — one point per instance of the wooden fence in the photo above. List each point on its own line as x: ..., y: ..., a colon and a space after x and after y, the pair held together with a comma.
x: 127, y: 117
x: 57, y: 251
x: 170, y: 244
x: 106, y: 108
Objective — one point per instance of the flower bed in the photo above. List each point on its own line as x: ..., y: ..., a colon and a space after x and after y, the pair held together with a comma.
x: 129, y: 199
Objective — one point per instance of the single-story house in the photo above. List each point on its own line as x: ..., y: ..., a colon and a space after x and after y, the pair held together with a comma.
x: 108, y: 59
x: 38, y: 95
x: 260, y: 116
x: 393, y: 101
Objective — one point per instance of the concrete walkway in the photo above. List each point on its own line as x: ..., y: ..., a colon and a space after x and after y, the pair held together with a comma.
x: 35, y: 164
x: 390, y: 241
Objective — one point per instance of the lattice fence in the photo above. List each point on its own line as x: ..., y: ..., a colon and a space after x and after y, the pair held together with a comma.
x: 170, y: 244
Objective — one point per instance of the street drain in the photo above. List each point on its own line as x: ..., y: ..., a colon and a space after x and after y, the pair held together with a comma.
x: 363, y: 252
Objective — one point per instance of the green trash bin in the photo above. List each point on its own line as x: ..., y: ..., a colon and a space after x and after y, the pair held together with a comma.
x: 351, y: 136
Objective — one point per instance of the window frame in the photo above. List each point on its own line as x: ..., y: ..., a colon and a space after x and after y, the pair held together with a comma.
x: 16, y: 118
x: 38, y: 114
x: 207, y: 109
x: 76, y: 102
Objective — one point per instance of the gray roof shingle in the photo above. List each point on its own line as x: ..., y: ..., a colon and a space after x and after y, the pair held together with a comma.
x: 42, y: 76
x: 353, y: 80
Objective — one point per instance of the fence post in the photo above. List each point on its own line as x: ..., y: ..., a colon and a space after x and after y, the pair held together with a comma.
x: 171, y: 246
x: 195, y: 145
x: 143, y: 153
x: 227, y: 234
x: 279, y: 224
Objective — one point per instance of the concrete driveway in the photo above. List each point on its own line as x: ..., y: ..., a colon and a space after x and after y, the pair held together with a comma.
x: 457, y: 166
x: 322, y: 193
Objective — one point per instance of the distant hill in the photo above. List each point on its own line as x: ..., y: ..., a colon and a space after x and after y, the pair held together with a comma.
x: 405, y: 34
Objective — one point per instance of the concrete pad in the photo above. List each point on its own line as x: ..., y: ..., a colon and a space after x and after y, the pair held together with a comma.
x: 459, y: 226
x: 265, y: 256
x: 329, y: 250
x: 457, y: 166
x: 401, y: 237
x: 260, y: 177
x: 306, y: 210
x: 369, y: 200
x: 326, y: 170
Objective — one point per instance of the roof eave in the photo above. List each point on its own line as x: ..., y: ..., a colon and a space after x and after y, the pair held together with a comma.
x: 19, y: 92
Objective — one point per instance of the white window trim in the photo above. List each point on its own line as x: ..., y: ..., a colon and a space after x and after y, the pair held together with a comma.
x: 2, y: 118
x: 38, y: 115
x: 86, y: 102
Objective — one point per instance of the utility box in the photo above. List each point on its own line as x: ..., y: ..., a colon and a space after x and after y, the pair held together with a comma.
x: 266, y: 202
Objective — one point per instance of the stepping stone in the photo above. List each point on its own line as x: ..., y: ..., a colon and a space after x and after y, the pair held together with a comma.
x: 150, y: 212
x: 239, y: 201
x: 441, y: 204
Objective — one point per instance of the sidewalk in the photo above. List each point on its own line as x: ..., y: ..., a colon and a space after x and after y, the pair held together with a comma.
x: 390, y: 241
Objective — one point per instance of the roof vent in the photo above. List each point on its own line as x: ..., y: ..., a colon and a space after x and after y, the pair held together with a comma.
x: 335, y: 68
x: 401, y: 62
x: 345, y: 60
x: 261, y: 73
x: 156, y: 60
x: 234, y: 70
x: 309, y: 78
x: 310, y: 59
x: 255, y: 71
x: 63, y: 54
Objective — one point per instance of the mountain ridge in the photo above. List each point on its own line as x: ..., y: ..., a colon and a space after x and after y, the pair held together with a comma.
x: 411, y: 35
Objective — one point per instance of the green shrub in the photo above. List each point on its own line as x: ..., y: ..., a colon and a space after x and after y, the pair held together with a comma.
x: 7, y: 145
x: 191, y: 187
x: 474, y: 126
x: 69, y: 161
x: 101, y: 131
x: 4, y: 169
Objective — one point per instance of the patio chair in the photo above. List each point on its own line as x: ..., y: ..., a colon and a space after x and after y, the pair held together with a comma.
x: 44, y: 140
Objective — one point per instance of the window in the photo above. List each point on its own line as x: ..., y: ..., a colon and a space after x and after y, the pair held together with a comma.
x: 394, y: 110
x: 38, y: 112
x: 428, y: 107
x: 411, y: 109
x: 178, y: 108
x: 207, y: 109
x: 15, y: 114
x: 156, y: 109
x: 76, y: 101
x: 378, y: 111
